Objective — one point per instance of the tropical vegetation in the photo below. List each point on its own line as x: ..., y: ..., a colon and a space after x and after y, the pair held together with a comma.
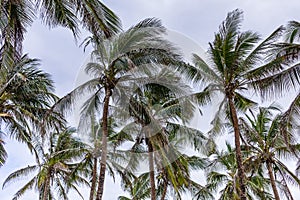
x: 137, y: 108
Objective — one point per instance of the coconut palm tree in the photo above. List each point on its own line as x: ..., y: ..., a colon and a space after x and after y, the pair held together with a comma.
x: 114, y: 62
x: 145, y: 107
x: 267, y: 146
x: 54, y: 167
x: 88, y: 166
x: 222, y: 174
x: 239, y: 62
x: 26, y: 97
x: 159, y: 109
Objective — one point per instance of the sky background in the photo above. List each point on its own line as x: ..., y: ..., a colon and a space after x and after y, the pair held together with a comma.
x: 196, y: 19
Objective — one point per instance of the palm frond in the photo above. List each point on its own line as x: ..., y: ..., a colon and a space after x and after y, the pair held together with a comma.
x: 98, y: 18
x: 61, y: 13
x: 19, y: 174
x: 29, y: 185
x: 292, y: 31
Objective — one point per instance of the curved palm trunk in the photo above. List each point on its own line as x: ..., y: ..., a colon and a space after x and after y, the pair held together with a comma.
x: 94, y: 179
x: 103, y: 145
x: 271, y: 175
x: 151, y: 168
x: 47, y: 187
x: 239, y: 159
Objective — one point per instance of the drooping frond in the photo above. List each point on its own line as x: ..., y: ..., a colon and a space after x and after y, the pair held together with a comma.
x: 275, y: 85
x: 15, y: 17
x: 28, y: 186
x: 204, y: 71
x: 97, y: 18
x: 19, y: 174
x: 259, y: 53
x: 243, y: 103
x: 61, y: 13
x: 292, y: 31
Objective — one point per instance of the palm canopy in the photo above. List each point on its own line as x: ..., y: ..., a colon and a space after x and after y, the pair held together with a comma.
x: 54, y: 167
x: 140, y: 187
x: 26, y: 97
x: 290, y: 48
x: 159, y: 108
x: 17, y: 16
x: 222, y: 177
x: 119, y: 60
x: 239, y: 61
x: 267, y: 146
x: 115, y: 61
x: 91, y: 14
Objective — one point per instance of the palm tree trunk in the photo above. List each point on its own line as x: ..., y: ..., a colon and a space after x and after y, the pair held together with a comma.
x: 151, y: 169
x: 47, y: 187
x: 241, y: 172
x: 94, y: 179
x: 286, y: 186
x: 163, y: 196
x: 270, y: 171
x: 103, y: 145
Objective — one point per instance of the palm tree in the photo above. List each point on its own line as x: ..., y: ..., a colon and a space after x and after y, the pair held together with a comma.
x: 16, y: 16
x: 267, y: 146
x: 159, y: 109
x: 222, y: 174
x: 140, y: 187
x: 111, y: 60
x: 239, y: 62
x: 26, y: 97
x: 150, y: 108
x: 54, y: 167
x: 88, y: 166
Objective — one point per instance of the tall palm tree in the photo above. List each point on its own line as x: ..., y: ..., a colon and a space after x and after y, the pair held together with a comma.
x: 239, y: 61
x: 159, y: 109
x: 92, y: 151
x: 222, y: 174
x: 267, y: 146
x: 112, y: 62
x: 54, y: 167
x: 151, y: 107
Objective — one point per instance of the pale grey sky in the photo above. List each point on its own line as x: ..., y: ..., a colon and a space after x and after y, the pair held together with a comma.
x: 197, y: 19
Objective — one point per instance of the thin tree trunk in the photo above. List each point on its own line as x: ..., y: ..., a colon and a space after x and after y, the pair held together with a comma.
x: 47, y: 187
x: 241, y: 172
x: 103, y: 145
x: 163, y: 196
x: 286, y: 187
x: 151, y: 168
x: 94, y: 179
x: 271, y: 175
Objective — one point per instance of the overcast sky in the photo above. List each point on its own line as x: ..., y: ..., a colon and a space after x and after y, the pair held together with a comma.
x: 196, y: 19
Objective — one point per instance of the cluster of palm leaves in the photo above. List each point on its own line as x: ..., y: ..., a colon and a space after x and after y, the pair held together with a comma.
x: 138, y: 105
